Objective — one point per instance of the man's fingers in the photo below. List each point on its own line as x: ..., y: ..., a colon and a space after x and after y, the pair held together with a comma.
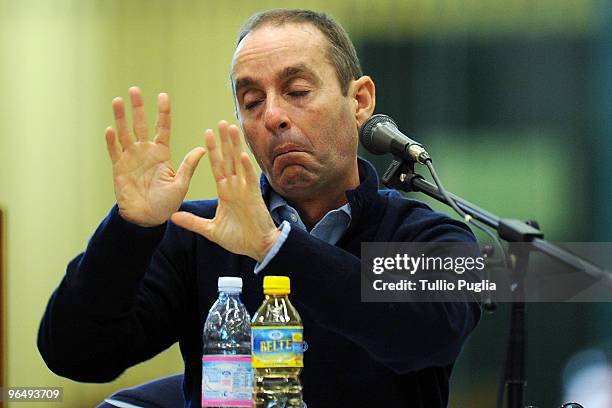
x: 191, y: 222
x: 120, y: 122
x: 236, y: 143
x: 138, y: 115
x: 162, y: 126
x: 214, y: 155
x: 226, y: 149
x: 111, y: 145
x: 249, y: 170
x: 189, y: 164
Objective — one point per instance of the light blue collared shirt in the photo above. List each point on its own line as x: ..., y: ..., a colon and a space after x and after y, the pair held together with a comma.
x: 329, y: 228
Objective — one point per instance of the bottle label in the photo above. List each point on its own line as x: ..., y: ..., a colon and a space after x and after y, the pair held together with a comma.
x: 277, y: 346
x: 227, y: 380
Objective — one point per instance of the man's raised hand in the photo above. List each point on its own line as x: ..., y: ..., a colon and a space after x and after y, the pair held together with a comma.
x: 147, y: 189
x: 242, y: 223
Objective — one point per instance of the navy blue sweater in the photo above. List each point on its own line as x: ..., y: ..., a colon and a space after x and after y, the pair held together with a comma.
x: 136, y: 291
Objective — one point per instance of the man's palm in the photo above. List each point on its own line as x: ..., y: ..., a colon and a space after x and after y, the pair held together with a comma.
x: 242, y: 223
x: 147, y: 189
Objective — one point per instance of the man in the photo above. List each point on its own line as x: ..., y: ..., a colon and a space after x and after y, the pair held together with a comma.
x: 148, y: 275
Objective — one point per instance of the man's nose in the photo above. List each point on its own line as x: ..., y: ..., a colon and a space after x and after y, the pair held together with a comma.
x: 276, y: 116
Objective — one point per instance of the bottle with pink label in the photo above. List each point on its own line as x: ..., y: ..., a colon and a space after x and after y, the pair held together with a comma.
x: 227, y: 376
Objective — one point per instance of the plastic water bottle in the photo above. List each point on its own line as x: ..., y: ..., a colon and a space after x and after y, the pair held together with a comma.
x: 277, y: 334
x: 227, y: 375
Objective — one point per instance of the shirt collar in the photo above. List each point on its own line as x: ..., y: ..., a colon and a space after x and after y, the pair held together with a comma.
x: 277, y: 206
x: 361, y: 200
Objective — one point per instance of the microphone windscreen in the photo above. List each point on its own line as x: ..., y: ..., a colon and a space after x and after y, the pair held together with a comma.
x: 366, y: 133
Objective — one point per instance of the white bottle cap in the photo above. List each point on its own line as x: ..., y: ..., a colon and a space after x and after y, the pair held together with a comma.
x: 229, y: 283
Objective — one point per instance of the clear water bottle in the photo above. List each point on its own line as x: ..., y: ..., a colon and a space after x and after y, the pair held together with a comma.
x: 227, y: 375
x: 278, y: 351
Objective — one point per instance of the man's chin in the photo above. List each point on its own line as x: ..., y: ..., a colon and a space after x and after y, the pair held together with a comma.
x: 294, y: 180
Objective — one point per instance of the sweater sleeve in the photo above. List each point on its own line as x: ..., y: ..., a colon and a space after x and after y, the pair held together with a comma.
x: 113, y: 308
x: 404, y: 336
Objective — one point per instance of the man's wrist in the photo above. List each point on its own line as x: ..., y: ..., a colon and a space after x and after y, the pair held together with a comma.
x: 141, y: 223
x: 267, y: 244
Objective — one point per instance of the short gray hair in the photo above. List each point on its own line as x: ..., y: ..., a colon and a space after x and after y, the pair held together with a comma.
x: 341, y: 51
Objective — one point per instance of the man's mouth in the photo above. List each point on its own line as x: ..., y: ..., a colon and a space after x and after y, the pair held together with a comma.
x: 285, y: 149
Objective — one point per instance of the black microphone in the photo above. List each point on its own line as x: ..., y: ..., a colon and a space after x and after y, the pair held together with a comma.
x: 380, y: 135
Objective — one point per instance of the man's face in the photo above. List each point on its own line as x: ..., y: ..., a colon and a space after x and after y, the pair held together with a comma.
x: 301, y: 129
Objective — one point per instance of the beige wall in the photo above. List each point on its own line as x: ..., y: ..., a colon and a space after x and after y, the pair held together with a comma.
x: 63, y: 61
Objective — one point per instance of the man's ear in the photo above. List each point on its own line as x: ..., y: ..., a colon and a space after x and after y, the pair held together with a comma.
x: 364, y: 95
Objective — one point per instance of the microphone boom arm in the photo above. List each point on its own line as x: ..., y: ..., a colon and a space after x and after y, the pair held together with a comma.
x: 400, y: 175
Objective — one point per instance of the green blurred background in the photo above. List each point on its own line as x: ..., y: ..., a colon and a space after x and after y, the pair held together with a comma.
x: 512, y: 98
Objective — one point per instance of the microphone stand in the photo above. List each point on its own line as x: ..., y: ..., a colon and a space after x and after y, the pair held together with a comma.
x: 400, y: 175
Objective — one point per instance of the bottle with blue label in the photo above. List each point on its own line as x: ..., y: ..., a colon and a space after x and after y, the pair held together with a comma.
x: 278, y: 351
x: 227, y: 375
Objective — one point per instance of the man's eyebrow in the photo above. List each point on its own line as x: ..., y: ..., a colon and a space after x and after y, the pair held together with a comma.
x: 243, y: 83
x: 296, y: 70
